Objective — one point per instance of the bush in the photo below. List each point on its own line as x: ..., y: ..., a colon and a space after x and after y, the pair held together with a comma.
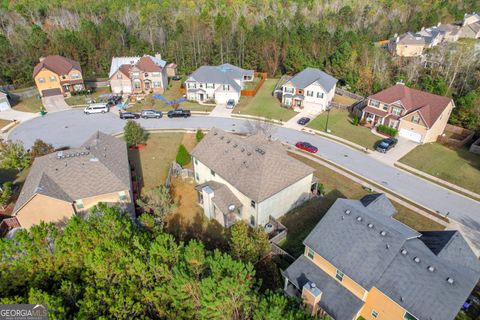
x: 356, y: 121
x: 6, y: 193
x: 199, y: 135
x: 183, y: 157
x: 134, y: 134
x: 392, y: 132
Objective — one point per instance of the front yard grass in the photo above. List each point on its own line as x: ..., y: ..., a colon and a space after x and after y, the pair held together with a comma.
x: 302, y: 220
x: 84, y: 99
x: 30, y: 104
x: 340, y: 124
x: 344, y: 100
x: 459, y: 166
x: 264, y: 104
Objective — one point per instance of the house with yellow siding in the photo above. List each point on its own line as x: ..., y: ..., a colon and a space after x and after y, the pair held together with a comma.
x: 361, y: 263
x: 57, y: 75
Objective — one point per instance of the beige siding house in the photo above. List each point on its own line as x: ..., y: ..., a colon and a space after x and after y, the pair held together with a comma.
x: 62, y: 184
x: 248, y: 178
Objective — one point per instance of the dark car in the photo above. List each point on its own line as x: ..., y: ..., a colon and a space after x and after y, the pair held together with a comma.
x: 176, y: 78
x: 303, y: 121
x: 129, y: 115
x: 386, y: 144
x: 115, y: 99
x: 306, y: 146
x: 151, y: 114
x: 178, y: 113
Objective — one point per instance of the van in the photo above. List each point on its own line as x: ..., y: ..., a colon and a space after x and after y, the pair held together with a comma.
x: 96, y: 108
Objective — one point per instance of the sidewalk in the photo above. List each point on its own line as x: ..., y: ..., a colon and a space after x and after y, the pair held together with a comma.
x: 20, y: 116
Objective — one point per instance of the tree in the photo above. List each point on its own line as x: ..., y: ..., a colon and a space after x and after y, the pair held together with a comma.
x: 13, y: 155
x: 158, y: 202
x: 183, y: 157
x: 5, y: 193
x: 134, y: 134
x: 248, y: 244
x: 40, y: 148
x: 199, y: 135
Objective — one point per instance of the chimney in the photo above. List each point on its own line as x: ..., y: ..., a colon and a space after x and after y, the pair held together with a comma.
x: 158, y: 56
x: 311, y: 296
x: 41, y: 59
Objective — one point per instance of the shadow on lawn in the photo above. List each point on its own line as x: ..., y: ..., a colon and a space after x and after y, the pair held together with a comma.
x: 134, y: 158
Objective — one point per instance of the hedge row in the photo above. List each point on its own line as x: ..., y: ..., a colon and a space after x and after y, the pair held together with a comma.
x: 392, y: 132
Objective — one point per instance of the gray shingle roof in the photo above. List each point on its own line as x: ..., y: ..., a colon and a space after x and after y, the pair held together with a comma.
x: 222, y: 74
x: 411, y: 39
x: 98, y: 167
x: 337, y: 301
x: 358, y: 248
x: 257, y: 167
x: 222, y: 196
x: 310, y: 75
x: 379, y: 203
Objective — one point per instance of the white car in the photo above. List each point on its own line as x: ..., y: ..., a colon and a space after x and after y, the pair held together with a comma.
x: 96, y: 108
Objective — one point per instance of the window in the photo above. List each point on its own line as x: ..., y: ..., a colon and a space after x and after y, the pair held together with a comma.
x: 196, y: 161
x: 374, y: 314
x: 75, y: 76
x: 41, y: 80
x: 339, y: 275
x: 145, y: 74
x: 155, y: 74
x: 79, y: 204
x: 408, y: 316
x: 397, y: 111
x: 253, y: 204
x: 209, y: 86
x: 309, y: 93
x: 122, y: 196
x: 212, y: 172
x: 197, y: 177
x: 416, y: 119
x: 385, y: 107
x: 374, y: 103
x: 192, y: 85
x: 119, y: 75
x: 157, y: 84
x: 226, y: 87
x: 135, y: 74
x: 53, y: 78
x: 136, y: 84
x: 310, y: 253
x: 300, y: 91
x: 320, y: 95
x: 289, y: 89
x: 252, y: 220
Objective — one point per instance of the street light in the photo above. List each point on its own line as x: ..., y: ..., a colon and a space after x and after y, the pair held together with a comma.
x: 329, y: 107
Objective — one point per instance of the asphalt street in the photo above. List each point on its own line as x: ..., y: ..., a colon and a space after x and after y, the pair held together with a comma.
x: 72, y: 127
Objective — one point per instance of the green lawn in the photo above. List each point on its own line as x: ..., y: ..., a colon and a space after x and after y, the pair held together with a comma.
x: 84, y: 99
x: 459, y: 167
x: 340, y: 124
x: 302, y: 220
x: 30, y: 104
x: 264, y: 104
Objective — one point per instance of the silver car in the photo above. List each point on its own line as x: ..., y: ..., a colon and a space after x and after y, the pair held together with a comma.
x: 230, y: 104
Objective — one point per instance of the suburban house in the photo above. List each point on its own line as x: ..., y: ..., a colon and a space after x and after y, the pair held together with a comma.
x: 248, y: 178
x: 135, y: 75
x: 417, y: 115
x: 4, y: 101
x: 361, y: 262
x: 57, y: 75
x: 310, y: 90
x: 171, y: 69
x: 407, y: 45
x: 62, y: 184
x: 217, y: 83
x: 470, y: 26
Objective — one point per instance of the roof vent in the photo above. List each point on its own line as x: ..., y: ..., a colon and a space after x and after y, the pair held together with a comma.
x: 404, y: 252
x: 249, y: 153
x: 450, y: 280
x: 359, y: 218
x: 370, y: 225
x: 347, y: 211
x: 215, y: 133
x: 228, y: 141
x: 343, y: 217
x: 383, y: 233
x: 242, y: 150
x: 235, y: 145
x: 387, y: 246
x: 221, y: 138
x: 431, y: 268
x: 261, y: 151
x: 416, y: 259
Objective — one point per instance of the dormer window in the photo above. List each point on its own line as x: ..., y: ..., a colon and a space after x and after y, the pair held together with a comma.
x: 374, y: 103
x: 397, y: 111
x: 415, y: 119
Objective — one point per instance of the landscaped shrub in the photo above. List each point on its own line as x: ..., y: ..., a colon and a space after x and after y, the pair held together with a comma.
x: 183, y: 157
x: 356, y: 121
x: 199, y: 135
x: 392, y: 132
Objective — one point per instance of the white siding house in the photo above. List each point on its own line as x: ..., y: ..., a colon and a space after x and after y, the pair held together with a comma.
x: 4, y: 103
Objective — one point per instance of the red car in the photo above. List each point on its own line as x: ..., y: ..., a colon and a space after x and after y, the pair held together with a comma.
x: 306, y: 146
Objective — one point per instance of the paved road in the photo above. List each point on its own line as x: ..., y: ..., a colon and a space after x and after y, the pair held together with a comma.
x: 71, y: 128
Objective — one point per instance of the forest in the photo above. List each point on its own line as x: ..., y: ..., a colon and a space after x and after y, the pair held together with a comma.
x: 274, y: 36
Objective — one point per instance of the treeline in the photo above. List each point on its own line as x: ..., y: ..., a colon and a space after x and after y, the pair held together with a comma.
x: 106, y: 266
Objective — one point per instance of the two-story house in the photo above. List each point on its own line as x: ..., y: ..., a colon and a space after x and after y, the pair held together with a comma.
x: 310, y: 90
x: 62, y: 184
x: 248, y: 178
x: 419, y: 116
x: 57, y: 75
x: 361, y: 262
x: 470, y: 26
x: 217, y: 83
x: 135, y: 75
x: 407, y: 45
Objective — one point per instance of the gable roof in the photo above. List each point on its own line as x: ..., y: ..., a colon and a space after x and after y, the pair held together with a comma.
x: 358, y: 248
x: 57, y: 64
x: 409, y: 38
x: 429, y: 105
x: 99, y: 166
x: 310, y: 75
x: 223, y: 74
x: 252, y: 164
x: 146, y: 63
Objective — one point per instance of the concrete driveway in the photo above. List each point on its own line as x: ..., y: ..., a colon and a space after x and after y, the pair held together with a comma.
x: 221, y: 110
x: 292, y: 123
x: 403, y: 147
x: 20, y: 116
x: 55, y: 104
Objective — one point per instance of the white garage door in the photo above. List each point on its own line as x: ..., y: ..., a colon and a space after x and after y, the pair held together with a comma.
x: 417, y: 137
x: 313, y: 107
x: 221, y: 97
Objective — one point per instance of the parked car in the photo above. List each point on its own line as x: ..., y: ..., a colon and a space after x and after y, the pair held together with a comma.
x: 176, y: 78
x: 151, y: 114
x: 230, y: 104
x: 386, y: 144
x: 96, y: 108
x: 303, y: 121
x: 129, y: 115
x: 306, y: 146
x: 179, y: 113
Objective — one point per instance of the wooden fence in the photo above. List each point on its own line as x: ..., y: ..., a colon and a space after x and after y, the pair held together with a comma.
x: 475, y: 147
x: 252, y: 92
x: 343, y: 92
x: 455, y: 137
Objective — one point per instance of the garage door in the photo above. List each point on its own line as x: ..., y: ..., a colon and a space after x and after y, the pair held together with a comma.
x: 313, y: 107
x: 417, y: 137
x: 224, y: 97
x: 51, y: 92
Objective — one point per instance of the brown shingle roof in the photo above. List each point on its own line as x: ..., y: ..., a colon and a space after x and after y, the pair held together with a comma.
x: 429, y: 105
x: 147, y: 65
x: 58, y: 64
x: 257, y: 167
x: 99, y: 166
